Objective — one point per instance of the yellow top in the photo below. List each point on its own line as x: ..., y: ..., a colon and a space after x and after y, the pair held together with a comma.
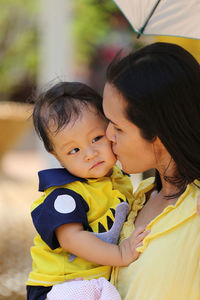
x: 168, y: 267
x: 101, y: 205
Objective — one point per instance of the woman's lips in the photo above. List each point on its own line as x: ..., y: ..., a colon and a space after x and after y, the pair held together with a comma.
x: 113, y: 150
x: 115, y: 153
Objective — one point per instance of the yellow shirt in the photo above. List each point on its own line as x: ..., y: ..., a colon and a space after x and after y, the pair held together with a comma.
x: 168, y: 267
x: 101, y: 205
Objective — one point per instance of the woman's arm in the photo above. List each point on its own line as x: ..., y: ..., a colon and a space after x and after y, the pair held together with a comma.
x: 73, y: 238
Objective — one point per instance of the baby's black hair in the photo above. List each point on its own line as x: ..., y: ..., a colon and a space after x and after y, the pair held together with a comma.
x: 59, y: 104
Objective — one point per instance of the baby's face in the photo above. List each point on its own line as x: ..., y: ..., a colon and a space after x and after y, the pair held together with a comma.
x: 82, y: 146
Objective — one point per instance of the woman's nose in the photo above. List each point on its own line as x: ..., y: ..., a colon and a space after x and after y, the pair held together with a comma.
x: 110, y: 133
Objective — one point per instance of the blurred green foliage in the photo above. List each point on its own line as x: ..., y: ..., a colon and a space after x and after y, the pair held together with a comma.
x: 91, y: 23
x: 18, y: 44
x: 19, y: 38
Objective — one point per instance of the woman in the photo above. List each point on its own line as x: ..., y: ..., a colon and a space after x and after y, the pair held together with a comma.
x: 152, y: 102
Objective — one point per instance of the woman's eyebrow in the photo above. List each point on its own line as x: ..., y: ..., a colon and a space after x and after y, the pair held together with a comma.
x: 111, y: 121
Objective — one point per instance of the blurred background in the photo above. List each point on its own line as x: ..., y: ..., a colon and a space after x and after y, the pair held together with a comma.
x: 42, y: 42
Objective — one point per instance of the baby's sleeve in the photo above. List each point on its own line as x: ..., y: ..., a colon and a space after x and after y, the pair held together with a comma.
x: 62, y: 206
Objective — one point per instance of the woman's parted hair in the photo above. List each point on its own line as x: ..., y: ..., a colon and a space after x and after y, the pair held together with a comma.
x: 161, y: 85
x: 60, y: 104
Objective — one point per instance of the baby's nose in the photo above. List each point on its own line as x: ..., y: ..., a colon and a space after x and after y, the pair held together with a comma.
x: 90, y: 153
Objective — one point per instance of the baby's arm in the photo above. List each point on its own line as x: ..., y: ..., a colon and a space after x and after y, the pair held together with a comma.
x: 73, y: 238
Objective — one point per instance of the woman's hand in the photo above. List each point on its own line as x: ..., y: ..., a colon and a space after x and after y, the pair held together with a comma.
x: 198, y: 205
x: 129, y: 245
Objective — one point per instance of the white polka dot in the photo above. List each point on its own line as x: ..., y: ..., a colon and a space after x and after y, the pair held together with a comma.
x: 64, y: 204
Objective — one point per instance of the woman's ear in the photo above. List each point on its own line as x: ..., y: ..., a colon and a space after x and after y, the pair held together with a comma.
x: 164, y: 158
x: 160, y: 150
x: 159, y: 145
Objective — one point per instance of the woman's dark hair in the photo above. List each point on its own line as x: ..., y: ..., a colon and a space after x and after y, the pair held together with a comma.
x: 60, y: 104
x: 161, y: 85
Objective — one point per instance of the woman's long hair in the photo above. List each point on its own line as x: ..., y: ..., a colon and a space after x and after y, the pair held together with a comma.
x: 161, y: 85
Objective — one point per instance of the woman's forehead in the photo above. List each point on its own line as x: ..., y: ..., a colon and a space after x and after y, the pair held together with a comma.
x: 114, y: 105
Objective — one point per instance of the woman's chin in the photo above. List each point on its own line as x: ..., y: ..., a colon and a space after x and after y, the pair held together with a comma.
x: 126, y: 171
x: 122, y: 167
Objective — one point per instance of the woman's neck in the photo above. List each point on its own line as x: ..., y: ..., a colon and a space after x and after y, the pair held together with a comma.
x: 168, y: 170
x: 168, y: 188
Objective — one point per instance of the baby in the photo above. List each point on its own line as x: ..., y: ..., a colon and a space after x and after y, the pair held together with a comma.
x: 84, y: 204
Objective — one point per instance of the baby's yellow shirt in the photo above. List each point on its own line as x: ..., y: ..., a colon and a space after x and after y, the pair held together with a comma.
x: 168, y: 267
x: 105, y: 201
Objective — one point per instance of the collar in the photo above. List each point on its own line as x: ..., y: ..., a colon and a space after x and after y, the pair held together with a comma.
x: 55, y: 177
x: 124, y: 173
x: 172, y: 216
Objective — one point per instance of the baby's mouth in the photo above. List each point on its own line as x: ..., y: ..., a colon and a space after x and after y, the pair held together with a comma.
x: 97, y: 164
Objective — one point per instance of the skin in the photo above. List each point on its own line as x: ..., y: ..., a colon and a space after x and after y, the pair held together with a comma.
x: 84, y: 150
x: 134, y: 153
x: 137, y: 154
x: 82, y: 146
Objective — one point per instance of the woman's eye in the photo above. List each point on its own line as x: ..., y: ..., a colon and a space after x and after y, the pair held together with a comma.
x: 96, y: 139
x: 75, y: 150
x: 117, y: 129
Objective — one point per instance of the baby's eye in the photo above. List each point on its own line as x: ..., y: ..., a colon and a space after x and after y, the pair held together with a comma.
x: 96, y: 139
x: 75, y: 150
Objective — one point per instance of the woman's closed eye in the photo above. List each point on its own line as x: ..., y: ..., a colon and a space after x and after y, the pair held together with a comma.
x: 117, y: 129
x: 73, y: 151
x: 96, y: 139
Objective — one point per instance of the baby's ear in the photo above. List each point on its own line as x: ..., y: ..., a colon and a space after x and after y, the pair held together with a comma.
x: 198, y: 205
x: 54, y: 154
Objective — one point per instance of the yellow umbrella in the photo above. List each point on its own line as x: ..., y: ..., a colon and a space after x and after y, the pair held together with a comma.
x: 191, y: 45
